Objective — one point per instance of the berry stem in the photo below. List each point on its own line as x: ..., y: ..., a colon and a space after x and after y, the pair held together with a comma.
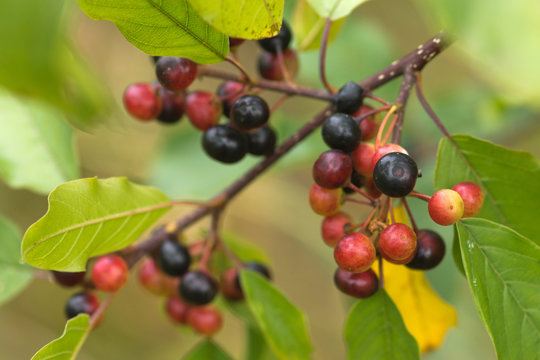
x: 229, y: 254
x: 420, y: 196
x: 390, y: 128
x: 351, y: 199
x: 409, y: 213
x: 211, y: 240
x: 374, y: 111
x: 370, y: 198
x: 239, y: 66
x: 376, y: 98
x: 278, y: 102
x: 95, y: 319
x: 407, y: 84
x: 322, y: 57
x: 281, y: 61
x: 383, y: 124
x: 368, y: 220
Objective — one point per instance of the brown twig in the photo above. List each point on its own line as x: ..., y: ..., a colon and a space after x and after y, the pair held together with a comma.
x: 322, y: 57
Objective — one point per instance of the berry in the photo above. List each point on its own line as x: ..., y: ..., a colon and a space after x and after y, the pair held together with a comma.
x: 397, y: 242
x: 203, y: 109
x: 262, y: 141
x: 175, y: 73
x: 173, y: 105
x: 395, y: 174
x: 253, y: 266
x: 368, y: 125
x: 349, y: 98
x: 153, y: 280
x: 325, y: 201
x: 340, y: 131
x: 430, y: 250
x: 362, y: 158
x: 445, y: 207
x: 270, y: 68
x: 333, y: 228
x: 81, y: 303
x: 68, y: 279
x: 173, y: 258
x: 333, y: 169
x: 205, y: 320
x: 141, y: 101
x: 279, y: 41
x: 371, y: 189
x: 250, y: 112
x: 229, y: 288
x: 386, y: 149
x: 473, y: 197
x: 110, y: 273
x: 235, y: 42
x: 177, y: 310
x: 358, y: 285
x: 225, y: 144
x: 354, y: 253
x: 229, y: 92
x: 197, y: 288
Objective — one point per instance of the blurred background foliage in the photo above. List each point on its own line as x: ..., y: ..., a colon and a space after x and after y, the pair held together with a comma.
x: 487, y: 84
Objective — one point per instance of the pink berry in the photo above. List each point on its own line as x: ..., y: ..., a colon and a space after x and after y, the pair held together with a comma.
x: 205, y: 320
x: 110, y: 273
x: 354, y: 253
x: 203, y: 109
x: 445, y: 207
x: 333, y: 228
x: 177, y: 310
x: 141, y: 101
x: 362, y: 158
x: 473, y: 197
x: 397, y: 242
x: 325, y: 201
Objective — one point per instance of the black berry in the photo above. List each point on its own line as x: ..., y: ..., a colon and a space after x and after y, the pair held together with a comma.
x: 68, y: 279
x: 173, y: 258
x: 250, y: 112
x: 257, y: 267
x: 358, y: 285
x: 81, y: 303
x: 262, y: 141
x: 395, y: 174
x: 341, y: 132
x: 430, y: 249
x: 224, y: 144
x: 349, y: 98
x: 279, y: 41
x: 197, y: 288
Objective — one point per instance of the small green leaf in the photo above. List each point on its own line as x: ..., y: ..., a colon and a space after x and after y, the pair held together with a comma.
x: 169, y: 28
x: 37, y: 149
x: 503, y: 268
x: 282, y: 324
x: 89, y: 217
x: 252, y: 20
x: 68, y: 345
x: 256, y: 345
x: 13, y: 276
x: 207, y: 350
x: 509, y: 179
x: 335, y: 9
x: 375, y: 330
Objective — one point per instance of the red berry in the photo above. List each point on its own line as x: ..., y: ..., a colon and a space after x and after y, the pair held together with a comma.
x: 269, y: 66
x: 362, y: 158
x: 203, y: 109
x: 234, y: 42
x: 445, y: 207
x: 358, y: 285
x: 177, y: 310
x: 141, y: 101
x: 205, y: 320
x: 325, y: 201
x: 175, y: 73
x: 333, y: 228
x: 386, y: 149
x: 371, y: 189
x: 229, y: 92
x: 153, y: 280
x: 472, y: 196
x: 397, y: 242
x: 109, y: 273
x: 68, y: 279
x: 368, y: 125
x: 229, y: 288
x: 354, y: 253
x: 332, y: 169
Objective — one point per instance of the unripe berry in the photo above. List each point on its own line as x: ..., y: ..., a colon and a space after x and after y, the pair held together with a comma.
x: 81, y: 303
x: 333, y: 228
x: 371, y: 189
x: 354, y: 253
x: 358, y: 285
x: 141, y: 101
x: 349, y: 98
x: 205, y: 320
x: 368, y: 125
x: 445, y: 207
x: 175, y: 73
x: 270, y: 68
x: 397, y: 243
x: 430, y: 250
x: 325, y: 201
x: 153, y: 280
x: 68, y: 279
x: 197, y: 288
x: 177, y: 310
x: 362, y: 158
x: 229, y: 288
x: 110, y: 273
x: 203, y: 109
x: 333, y: 169
x: 472, y: 196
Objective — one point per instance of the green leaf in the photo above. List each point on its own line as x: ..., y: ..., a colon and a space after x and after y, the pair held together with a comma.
x: 37, y: 149
x: 282, y: 324
x: 335, y: 9
x: 256, y: 345
x: 502, y: 268
x: 68, y: 345
x: 308, y: 27
x: 207, y: 350
x: 245, y: 249
x: 456, y: 252
x: 89, y: 217
x: 509, y: 179
x: 252, y: 20
x: 13, y: 276
x: 169, y: 28
x: 375, y: 330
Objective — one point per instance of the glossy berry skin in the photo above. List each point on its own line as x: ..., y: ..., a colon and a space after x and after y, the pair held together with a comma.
x: 349, y: 98
x: 359, y: 285
x: 110, y: 273
x: 229, y: 92
x: 362, y: 158
x: 225, y: 144
x: 270, y: 68
x: 173, y: 106
x: 332, y: 170
x: 262, y: 141
x: 177, y: 310
x: 395, y: 174
x: 445, y: 207
x: 229, y: 289
x: 250, y: 112
x: 368, y: 125
x: 325, y: 201
x: 203, y: 109
x: 333, y: 228
x: 141, y: 101
x: 472, y: 196
x: 154, y: 281
x: 81, y: 303
x: 205, y: 320
x: 197, y: 288
x: 371, y: 189
x: 173, y: 258
x: 386, y: 149
x: 397, y: 243
x: 68, y: 279
x: 430, y: 250
x: 354, y: 253
x: 175, y: 73
x: 341, y: 132
x: 279, y: 41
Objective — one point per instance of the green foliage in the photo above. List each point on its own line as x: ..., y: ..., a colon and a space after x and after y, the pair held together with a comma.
x: 37, y: 149
x: 207, y: 350
x: 252, y: 20
x: 502, y: 268
x: 89, y: 217
x: 256, y: 345
x: 14, y: 276
x: 68, y: 345
x: 375, y: 330
x: 335, y: 9
x: 282, y: 324
x: 170, y: 28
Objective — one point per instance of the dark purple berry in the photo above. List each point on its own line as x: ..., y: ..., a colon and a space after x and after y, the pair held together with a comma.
x: 258, y: 268
x: 279, y: 41
x: 81, y: 303
x: 173, y: 258
x: 250, y: 112
x: 173, y: 105
x: 430, y: 249
x: 262, y: 141
x: 175, y: 73
x: 395, y: 174
x: 68, y: 279
x: 349, y: 98
x: 197, y: 288
x: 340, y: 131
x: 225, y: 144
x: 332, y: 169
x: 358, y: 285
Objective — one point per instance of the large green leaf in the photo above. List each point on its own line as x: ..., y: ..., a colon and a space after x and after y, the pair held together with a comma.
x: 14, y: 276
x: 510, y: 180
x: 503, y: 268
x: 253, y: 19
x: 67, y: 346
x: 89, y: 217
x: 170, y: 28
x: 37, y: 149
x: 335, y: 9
x: 375, y: 330
x: 207, y: 350
x: 282, y: 324
x: 256, y: 345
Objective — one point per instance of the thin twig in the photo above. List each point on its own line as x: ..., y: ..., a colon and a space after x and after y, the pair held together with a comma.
x: 359, y: 191
x: 322, y: 57
x: 420, y: 196
x: 409, y: 212
x: 239, y: 66
x: 283, y: 67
